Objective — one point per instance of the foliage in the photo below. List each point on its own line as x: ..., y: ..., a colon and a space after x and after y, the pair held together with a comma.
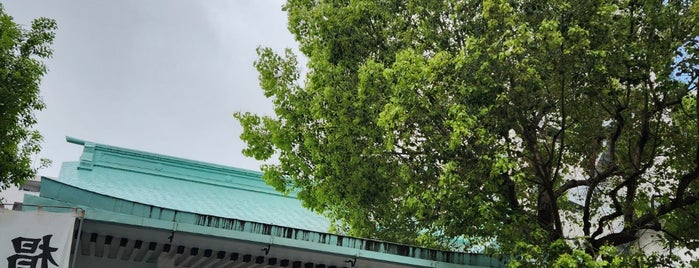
x: 20, y: 73
x: 515, y: 124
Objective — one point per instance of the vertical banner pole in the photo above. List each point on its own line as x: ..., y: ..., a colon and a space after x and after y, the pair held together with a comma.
x: 78, y: 237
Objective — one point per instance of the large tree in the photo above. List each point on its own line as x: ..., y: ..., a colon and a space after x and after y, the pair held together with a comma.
x: 21, y: 69
x: 527, y: 128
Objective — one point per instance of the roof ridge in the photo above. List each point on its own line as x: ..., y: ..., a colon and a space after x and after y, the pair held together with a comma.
x: 157, y: 156
x: 109, y: 156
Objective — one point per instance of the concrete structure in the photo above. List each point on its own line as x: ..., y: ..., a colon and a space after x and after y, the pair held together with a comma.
x: 149, y: 210
x: 15, y: 194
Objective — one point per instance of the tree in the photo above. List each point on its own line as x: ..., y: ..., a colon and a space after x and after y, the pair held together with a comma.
x: 21, y: 51
x: 524, y: 128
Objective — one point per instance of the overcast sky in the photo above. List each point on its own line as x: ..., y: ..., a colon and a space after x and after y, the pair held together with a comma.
x: 161, y: 76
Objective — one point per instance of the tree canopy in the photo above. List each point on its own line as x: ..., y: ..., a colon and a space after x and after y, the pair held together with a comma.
x: 21, y: 69
x: 532, y: 129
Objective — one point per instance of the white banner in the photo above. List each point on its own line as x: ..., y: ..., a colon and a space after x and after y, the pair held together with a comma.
x: 35, y: 239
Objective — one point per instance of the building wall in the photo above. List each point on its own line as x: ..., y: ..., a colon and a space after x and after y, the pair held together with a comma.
x: 92, y: 262
x: 13, y: 194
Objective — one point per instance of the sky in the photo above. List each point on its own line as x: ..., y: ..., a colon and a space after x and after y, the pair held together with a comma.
x: 160, y: 76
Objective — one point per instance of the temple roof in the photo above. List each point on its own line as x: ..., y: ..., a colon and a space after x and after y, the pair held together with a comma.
x: 185, y: 185
x: 123, y: 187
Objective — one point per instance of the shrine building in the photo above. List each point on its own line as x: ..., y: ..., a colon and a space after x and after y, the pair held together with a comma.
x: 139, y: 209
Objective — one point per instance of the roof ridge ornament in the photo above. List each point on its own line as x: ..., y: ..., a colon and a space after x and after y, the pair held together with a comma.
x: 87, y: 159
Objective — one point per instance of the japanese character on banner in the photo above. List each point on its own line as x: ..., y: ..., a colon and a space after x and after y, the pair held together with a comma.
x: 36, y: 239
x: 32, y: 253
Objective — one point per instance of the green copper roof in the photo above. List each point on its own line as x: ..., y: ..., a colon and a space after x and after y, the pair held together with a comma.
x: 132, y: 187
x: 185, y: 185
